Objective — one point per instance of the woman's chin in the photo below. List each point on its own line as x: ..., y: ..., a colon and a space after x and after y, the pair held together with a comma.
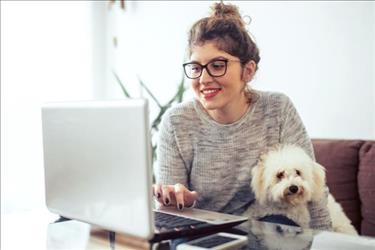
x: 209, y: 105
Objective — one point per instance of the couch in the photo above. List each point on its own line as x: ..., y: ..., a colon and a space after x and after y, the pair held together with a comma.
x: 350, y: 169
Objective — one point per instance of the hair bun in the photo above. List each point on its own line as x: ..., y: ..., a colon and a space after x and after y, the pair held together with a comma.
x: 222, y: 10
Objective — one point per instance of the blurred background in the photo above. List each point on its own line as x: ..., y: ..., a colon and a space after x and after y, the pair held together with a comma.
x: 321, y: 54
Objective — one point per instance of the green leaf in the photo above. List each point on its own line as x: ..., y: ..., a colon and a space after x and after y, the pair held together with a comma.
x: 126, y: 93
x: 149, y: 92
x: 181, y: 89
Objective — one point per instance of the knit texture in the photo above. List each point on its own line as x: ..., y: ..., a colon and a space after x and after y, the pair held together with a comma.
x: 216, y: 159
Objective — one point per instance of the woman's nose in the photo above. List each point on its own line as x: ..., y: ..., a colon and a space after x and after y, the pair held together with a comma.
x: 205, y: 77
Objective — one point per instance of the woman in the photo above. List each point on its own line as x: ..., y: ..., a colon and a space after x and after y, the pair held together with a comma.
x: 208, y: 146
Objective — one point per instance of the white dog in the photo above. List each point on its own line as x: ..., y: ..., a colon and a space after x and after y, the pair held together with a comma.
x: 285, y: 180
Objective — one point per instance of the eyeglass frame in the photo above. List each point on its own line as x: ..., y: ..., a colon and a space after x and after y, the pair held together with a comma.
x: 205, y: 67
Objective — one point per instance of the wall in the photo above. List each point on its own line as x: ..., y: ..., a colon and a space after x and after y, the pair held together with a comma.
x: 321, y: 54
x: 46, y: 55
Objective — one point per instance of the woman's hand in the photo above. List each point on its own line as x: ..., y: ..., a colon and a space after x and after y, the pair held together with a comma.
x: 174, y: 195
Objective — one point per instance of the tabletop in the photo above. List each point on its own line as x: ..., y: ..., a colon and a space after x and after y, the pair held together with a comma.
x: 37, y: 230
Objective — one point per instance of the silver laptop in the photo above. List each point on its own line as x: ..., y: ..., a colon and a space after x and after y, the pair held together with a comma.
x: 98, y: 170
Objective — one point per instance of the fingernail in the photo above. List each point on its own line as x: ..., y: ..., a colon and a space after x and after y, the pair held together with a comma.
x: 166, y: 201
x: 180, y: 206
x: 158, y: 195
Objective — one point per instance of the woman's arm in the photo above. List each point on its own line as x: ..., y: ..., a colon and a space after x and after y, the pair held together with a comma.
x: 171, y: 167
x: 171, y: 171
x: 293, y: 131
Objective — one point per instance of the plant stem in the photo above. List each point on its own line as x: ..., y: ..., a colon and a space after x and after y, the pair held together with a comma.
x: 126, y: 93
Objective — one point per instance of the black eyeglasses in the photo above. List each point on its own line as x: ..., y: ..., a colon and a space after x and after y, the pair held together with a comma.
x: 214, y: 68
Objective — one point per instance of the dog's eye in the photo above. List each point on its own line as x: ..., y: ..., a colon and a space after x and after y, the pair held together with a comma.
x: 298, y: 172
x: 280, y: 175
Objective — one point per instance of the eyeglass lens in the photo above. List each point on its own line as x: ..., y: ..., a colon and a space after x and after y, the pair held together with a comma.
x: 214, y: 68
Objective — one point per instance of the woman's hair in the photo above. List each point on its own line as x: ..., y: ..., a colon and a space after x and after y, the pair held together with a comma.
x: 226, y: 28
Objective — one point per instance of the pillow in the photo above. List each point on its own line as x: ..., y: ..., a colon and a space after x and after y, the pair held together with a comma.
x: 341, y: 160
x: 366, y: 180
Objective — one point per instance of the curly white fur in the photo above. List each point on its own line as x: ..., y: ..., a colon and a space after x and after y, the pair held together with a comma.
x: 285, y: 180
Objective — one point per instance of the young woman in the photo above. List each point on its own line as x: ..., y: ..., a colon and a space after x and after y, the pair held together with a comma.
x: 208, y: 146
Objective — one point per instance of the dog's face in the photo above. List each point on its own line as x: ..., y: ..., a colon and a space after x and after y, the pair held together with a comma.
x: 287, y: 174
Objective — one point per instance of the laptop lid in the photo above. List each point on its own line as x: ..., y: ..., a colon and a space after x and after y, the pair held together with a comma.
x: 93, y: 149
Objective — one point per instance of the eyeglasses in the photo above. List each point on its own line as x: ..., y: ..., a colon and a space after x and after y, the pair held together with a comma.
x: 214, y: 68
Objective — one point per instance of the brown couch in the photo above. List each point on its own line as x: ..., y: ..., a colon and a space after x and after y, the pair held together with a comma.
x: 350, y: 166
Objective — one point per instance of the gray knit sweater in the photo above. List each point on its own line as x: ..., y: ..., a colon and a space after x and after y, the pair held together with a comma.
x: 216, y: 159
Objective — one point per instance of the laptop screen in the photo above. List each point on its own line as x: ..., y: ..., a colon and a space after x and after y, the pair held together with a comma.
x: 98, y: 164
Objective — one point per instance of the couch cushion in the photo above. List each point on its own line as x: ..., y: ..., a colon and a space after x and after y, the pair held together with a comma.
x: 341, y: 159
x: 366, y: 180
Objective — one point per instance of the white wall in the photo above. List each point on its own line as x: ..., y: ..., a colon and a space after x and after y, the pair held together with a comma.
x: 321, y: 54
x: 46, y: 55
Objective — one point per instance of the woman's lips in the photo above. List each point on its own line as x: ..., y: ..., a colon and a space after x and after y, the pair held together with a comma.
x: 210, y: 93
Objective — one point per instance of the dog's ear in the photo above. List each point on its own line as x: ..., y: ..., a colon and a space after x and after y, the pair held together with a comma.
x: 257, y: 181
x: 319, y: 181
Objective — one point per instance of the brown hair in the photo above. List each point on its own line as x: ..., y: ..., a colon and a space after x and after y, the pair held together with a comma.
x: 226, y: 28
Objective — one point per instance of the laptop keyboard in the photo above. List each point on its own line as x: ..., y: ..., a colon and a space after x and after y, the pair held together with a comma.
x: 166, y: 222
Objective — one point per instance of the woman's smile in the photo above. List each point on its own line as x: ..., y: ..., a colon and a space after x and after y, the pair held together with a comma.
x: 209, y: 93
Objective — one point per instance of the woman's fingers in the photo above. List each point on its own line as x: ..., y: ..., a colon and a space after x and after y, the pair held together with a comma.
x: 174, y: 195
x: 166, y: 194
x: 190, y: 197
x: 179, y: 192
x: 157, y: 192
x: 162, y: 194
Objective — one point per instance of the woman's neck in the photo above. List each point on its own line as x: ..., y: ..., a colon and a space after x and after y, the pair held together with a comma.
x: 231, y: 113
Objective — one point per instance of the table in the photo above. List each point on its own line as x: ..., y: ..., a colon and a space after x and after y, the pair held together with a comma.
x: 35, y: 230
x: 38, y: 230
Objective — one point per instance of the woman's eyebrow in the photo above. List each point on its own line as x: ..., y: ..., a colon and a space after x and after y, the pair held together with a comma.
x: 194, y: 61
x: 218, y: 58
x: 211, y: 60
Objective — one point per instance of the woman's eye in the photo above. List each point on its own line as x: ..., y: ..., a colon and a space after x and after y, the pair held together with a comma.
x: 217, y: 65
x: 195, y: 68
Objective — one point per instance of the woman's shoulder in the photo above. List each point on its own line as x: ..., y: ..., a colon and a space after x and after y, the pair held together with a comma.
x: 271, y: 96
x: 271, y: 99
x: 182, y: 108
x: 270, y: 103
x: 181, y: 111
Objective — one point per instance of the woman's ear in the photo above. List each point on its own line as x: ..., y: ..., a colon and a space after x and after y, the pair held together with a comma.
x: 319, y: 181
x: 248, y: 71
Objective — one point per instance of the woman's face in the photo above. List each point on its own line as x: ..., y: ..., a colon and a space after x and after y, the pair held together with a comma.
x: 219, y: 94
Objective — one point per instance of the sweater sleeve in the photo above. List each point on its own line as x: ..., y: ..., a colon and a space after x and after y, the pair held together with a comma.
x: 171, y: 167
x: 293, y: 131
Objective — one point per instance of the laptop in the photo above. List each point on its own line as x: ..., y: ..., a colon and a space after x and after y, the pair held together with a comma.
x: 97, y: 161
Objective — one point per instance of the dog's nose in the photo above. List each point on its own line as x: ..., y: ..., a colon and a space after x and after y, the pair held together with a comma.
x: 293, y: 189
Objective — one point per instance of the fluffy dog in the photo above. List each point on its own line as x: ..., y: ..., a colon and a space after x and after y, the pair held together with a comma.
x: 285, y: 180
